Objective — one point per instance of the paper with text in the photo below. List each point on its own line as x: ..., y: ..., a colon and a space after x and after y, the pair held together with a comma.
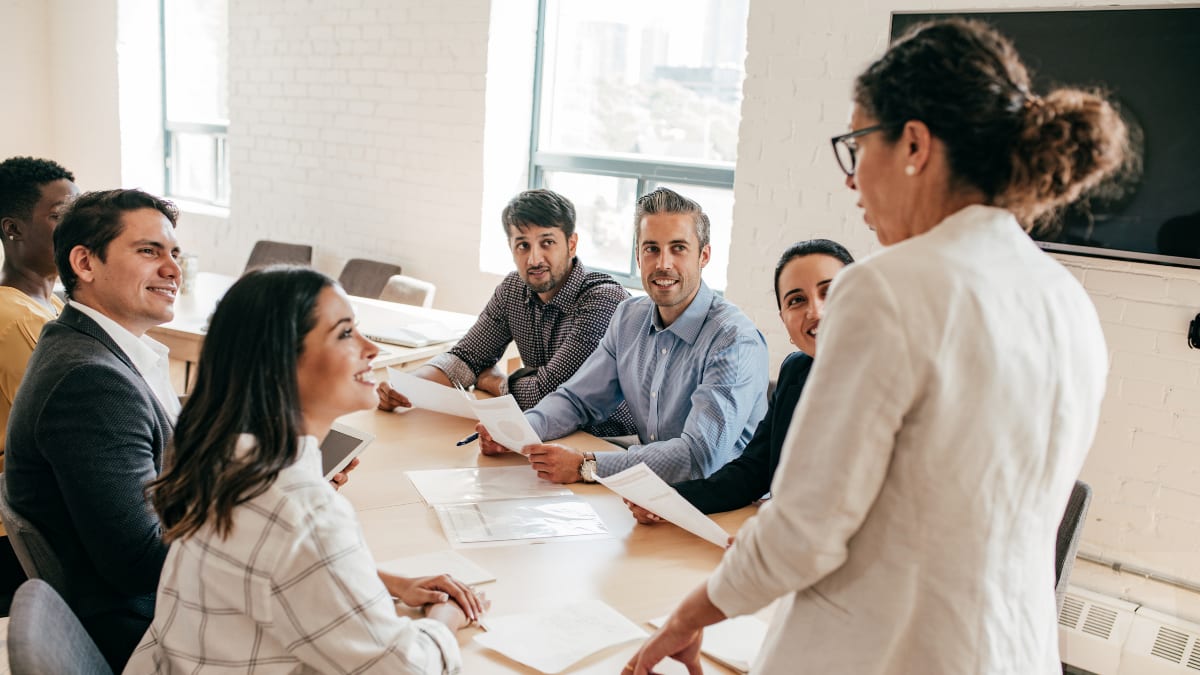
x: 550, y: 641
x: 643, y: 487
x: 453, y: 486
x: 519, y: 519
x: 438, y: 562
x: 503, y: 419
x: 431, y: 395
x: 734, y: 642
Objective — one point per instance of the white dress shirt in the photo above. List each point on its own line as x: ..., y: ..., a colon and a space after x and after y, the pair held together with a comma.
x: 292, y: 589
x: 928, y: 464
x: 149, y: 356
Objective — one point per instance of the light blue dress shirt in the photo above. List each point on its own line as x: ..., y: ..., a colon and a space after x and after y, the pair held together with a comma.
x: 697, y: 388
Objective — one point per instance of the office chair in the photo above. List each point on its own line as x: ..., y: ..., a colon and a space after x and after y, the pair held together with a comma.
x: 366, y: 278
x: 1068, y: 538
x: 34, y: 553
x: 272, y: 252
x: 44, y: 636
x: 409, y: 291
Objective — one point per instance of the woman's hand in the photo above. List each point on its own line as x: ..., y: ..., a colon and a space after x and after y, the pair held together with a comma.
x: 421, y: 591
x: 340, y: 478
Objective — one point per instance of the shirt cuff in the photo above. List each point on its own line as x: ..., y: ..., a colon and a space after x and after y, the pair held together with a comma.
x: 446, y: 643
x: 613, y: 461
x: 455, y: 368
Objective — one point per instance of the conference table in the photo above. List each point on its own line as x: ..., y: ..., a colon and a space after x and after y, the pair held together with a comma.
x: 641, y: 571
x: 184, y: 335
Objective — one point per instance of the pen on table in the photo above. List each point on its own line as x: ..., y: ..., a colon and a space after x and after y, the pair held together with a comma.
x: 473, y: 437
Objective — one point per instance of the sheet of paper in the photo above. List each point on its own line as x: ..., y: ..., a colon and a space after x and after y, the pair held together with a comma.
x: 643, y: 487
x: 431, y: 395
x: 439, y: 562
x: 550, y: 641
x: 734, y: 642
x: 454, y: 486
x: 503, y: 419
x: 516, y: 519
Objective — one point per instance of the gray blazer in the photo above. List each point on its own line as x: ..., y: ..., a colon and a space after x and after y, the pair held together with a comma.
x: 85, y: 436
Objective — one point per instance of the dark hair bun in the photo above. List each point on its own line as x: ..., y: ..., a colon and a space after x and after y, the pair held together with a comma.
x: 1071, y: 141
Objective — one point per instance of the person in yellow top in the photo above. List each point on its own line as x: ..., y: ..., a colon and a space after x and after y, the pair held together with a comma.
x: 33, y: 195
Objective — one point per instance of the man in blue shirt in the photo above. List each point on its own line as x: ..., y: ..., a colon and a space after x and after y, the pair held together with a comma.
x: 691, y: 366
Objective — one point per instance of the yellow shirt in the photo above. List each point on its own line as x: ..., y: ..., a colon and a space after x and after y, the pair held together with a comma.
x: 21, y: 321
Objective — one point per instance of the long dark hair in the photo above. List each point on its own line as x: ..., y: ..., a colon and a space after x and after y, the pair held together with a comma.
x: 1027, y: 153
x: 246, y: 384
x: 808, y: 247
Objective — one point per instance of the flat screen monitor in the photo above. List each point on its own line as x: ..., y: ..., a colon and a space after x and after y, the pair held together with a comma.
x: 1149, y: 62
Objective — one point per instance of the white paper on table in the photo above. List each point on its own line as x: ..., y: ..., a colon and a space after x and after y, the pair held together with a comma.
x: 550, y: 641
x: 503, y: 419
x: 439, y: 562
x: 643, y: 487
x: 734, y: 642
x: 454, y: 486
x: 515, y: 519
x: 431, y: 395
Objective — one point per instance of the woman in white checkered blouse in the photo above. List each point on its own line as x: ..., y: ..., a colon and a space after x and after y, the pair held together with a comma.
x: 267, y: 570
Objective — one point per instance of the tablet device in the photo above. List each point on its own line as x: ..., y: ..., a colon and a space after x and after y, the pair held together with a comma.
x: 342, y: 445
x: 420, y: 334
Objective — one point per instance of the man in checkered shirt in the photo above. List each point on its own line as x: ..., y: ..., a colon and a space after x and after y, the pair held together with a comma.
x: 553, y: 307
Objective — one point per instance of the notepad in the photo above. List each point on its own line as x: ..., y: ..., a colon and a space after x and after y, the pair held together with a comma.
x: 439, y: 562
x: 550, y: 641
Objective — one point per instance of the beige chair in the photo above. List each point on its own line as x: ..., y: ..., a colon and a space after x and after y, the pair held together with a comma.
x: 366, y: 278
x: 408, y: 291
x: 274, y: 252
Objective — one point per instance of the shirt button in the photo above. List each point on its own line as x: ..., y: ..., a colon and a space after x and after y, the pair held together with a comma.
x: 664, y: 351
x: 654, y: 394
x: 651, y: 436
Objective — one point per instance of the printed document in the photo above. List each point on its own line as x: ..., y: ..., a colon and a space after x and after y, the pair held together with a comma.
x: 550, y: 641
x: 643, y: 487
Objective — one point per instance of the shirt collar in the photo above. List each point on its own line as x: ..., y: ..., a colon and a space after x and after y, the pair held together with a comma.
x: 565, y: 298
x: 146, y: 353
x: 687, y: 326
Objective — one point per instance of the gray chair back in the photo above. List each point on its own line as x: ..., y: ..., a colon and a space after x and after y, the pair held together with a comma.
x: 408, y: 291
x: 366, y: 278
x: 45, y: 637
x: 33, y: 551
x: 1068, y: 538
x: 274, y: 252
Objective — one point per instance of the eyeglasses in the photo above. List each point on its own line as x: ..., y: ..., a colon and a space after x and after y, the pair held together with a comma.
x: 845, y: 148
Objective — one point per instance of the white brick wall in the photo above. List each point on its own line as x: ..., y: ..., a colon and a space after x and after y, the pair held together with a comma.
x: 357, y: 127
x: 1145, y: 464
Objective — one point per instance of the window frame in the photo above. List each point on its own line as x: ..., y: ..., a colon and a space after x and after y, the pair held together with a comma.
x: 216, y: 130
x: 647, y: 171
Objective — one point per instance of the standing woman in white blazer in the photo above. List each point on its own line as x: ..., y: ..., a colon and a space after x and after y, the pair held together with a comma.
x: 957, y: 394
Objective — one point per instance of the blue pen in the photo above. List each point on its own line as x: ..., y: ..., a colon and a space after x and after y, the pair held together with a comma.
x: 468, y: 439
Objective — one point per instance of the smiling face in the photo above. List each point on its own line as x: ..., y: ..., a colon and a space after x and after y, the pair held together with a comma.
x: 333, y: 373
x: 543, y: 257
x: 879, y: 178
x: 670, y: 258
x: 135, y: 281
x: 803, y: 285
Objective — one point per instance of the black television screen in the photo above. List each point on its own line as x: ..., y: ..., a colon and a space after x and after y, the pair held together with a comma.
x: 1149, y: 62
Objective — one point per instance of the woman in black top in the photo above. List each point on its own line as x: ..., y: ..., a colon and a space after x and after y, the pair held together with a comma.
x: 802, y: 278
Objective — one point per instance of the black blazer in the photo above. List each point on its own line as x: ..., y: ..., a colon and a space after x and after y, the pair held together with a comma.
x: 85, y: 436
x: 747, y: 478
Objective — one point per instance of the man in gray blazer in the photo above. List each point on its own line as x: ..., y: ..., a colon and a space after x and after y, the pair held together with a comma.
x: 96, y: 409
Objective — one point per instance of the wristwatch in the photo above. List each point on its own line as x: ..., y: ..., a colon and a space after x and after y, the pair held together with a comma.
x: 587, y: 470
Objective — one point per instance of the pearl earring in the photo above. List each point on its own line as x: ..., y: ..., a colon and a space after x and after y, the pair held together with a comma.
x: 910, y: 170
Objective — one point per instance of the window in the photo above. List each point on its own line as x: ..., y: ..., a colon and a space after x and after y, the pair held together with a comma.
x: 631, y: 95
x: 196, y: 100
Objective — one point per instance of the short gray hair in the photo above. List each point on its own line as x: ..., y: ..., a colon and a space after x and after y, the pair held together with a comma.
x: 663, y: 200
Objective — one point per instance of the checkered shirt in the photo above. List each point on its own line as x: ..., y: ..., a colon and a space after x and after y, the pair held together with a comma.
x: 554, y: 338
x: 293, y: 589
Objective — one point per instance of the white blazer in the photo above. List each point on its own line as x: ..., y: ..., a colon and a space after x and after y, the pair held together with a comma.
x: 929, y: 463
